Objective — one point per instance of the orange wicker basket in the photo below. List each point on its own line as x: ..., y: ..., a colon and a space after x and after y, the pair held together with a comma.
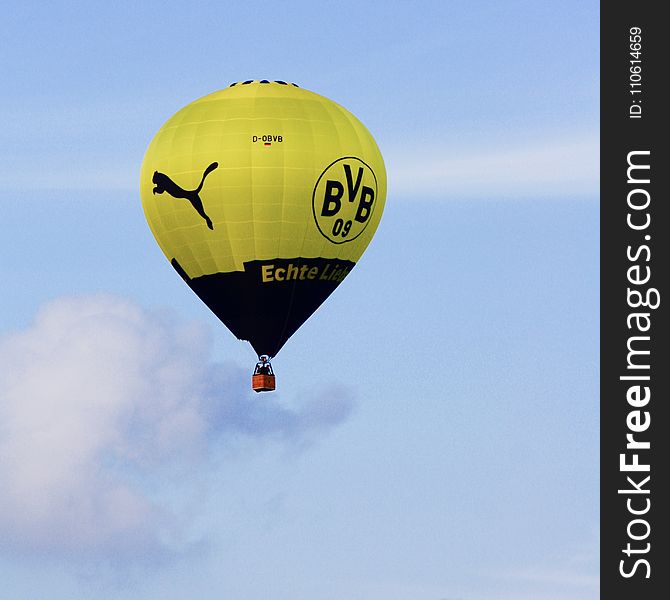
x: 263, y: 383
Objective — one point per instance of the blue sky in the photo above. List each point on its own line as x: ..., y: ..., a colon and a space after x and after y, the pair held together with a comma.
x: 435, y: 434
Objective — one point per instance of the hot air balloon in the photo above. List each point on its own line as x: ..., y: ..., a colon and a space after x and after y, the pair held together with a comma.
x: 263, y: 196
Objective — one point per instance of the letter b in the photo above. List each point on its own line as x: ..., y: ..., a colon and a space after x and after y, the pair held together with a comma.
x: 365, y: 204
x: 332, y: 199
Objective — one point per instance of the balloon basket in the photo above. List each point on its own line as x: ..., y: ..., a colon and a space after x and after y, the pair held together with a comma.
x: 263, y: 383
x: 263, y: 379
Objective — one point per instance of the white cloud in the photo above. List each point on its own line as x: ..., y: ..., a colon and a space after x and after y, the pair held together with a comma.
x: 85, y: 176
x: 548, y: 168
x: 563, y: 577
x: 569, y: 577
x: 101, y: 403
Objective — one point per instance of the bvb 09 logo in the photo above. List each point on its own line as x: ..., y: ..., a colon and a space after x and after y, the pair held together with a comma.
x: 343, y: 199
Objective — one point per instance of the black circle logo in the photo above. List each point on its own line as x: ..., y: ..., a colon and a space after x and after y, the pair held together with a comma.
x: 344, y: 199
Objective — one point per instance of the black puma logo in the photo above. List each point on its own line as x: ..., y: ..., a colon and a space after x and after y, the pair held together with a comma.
x: 165, y: 184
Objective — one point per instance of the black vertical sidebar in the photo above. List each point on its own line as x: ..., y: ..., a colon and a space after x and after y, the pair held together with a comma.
x: 635, y: 352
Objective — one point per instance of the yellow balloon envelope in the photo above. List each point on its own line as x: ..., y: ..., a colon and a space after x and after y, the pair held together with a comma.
x: 263, y: 196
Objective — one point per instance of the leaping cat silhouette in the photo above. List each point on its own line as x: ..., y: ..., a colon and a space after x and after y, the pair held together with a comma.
x: 165, y: 184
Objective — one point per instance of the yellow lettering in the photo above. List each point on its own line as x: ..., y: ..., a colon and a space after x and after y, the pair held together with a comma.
x: 277, y: 277
x: 267, y: 273
x: 292, y: 272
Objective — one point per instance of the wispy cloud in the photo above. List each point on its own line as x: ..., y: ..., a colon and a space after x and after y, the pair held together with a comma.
x: 570, y: 577
x: 539, y: 165
x: 78, y: 174
x: 546, y: 168
x: 556, y: 577
x: 102, y: 403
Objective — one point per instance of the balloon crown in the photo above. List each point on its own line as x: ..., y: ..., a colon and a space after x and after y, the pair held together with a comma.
x: 261, y: 81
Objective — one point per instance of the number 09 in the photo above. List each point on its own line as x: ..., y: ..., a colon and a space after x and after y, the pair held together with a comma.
x: 341, y: 227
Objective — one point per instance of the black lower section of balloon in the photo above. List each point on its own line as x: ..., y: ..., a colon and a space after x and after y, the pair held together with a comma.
x: 267, y: 302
